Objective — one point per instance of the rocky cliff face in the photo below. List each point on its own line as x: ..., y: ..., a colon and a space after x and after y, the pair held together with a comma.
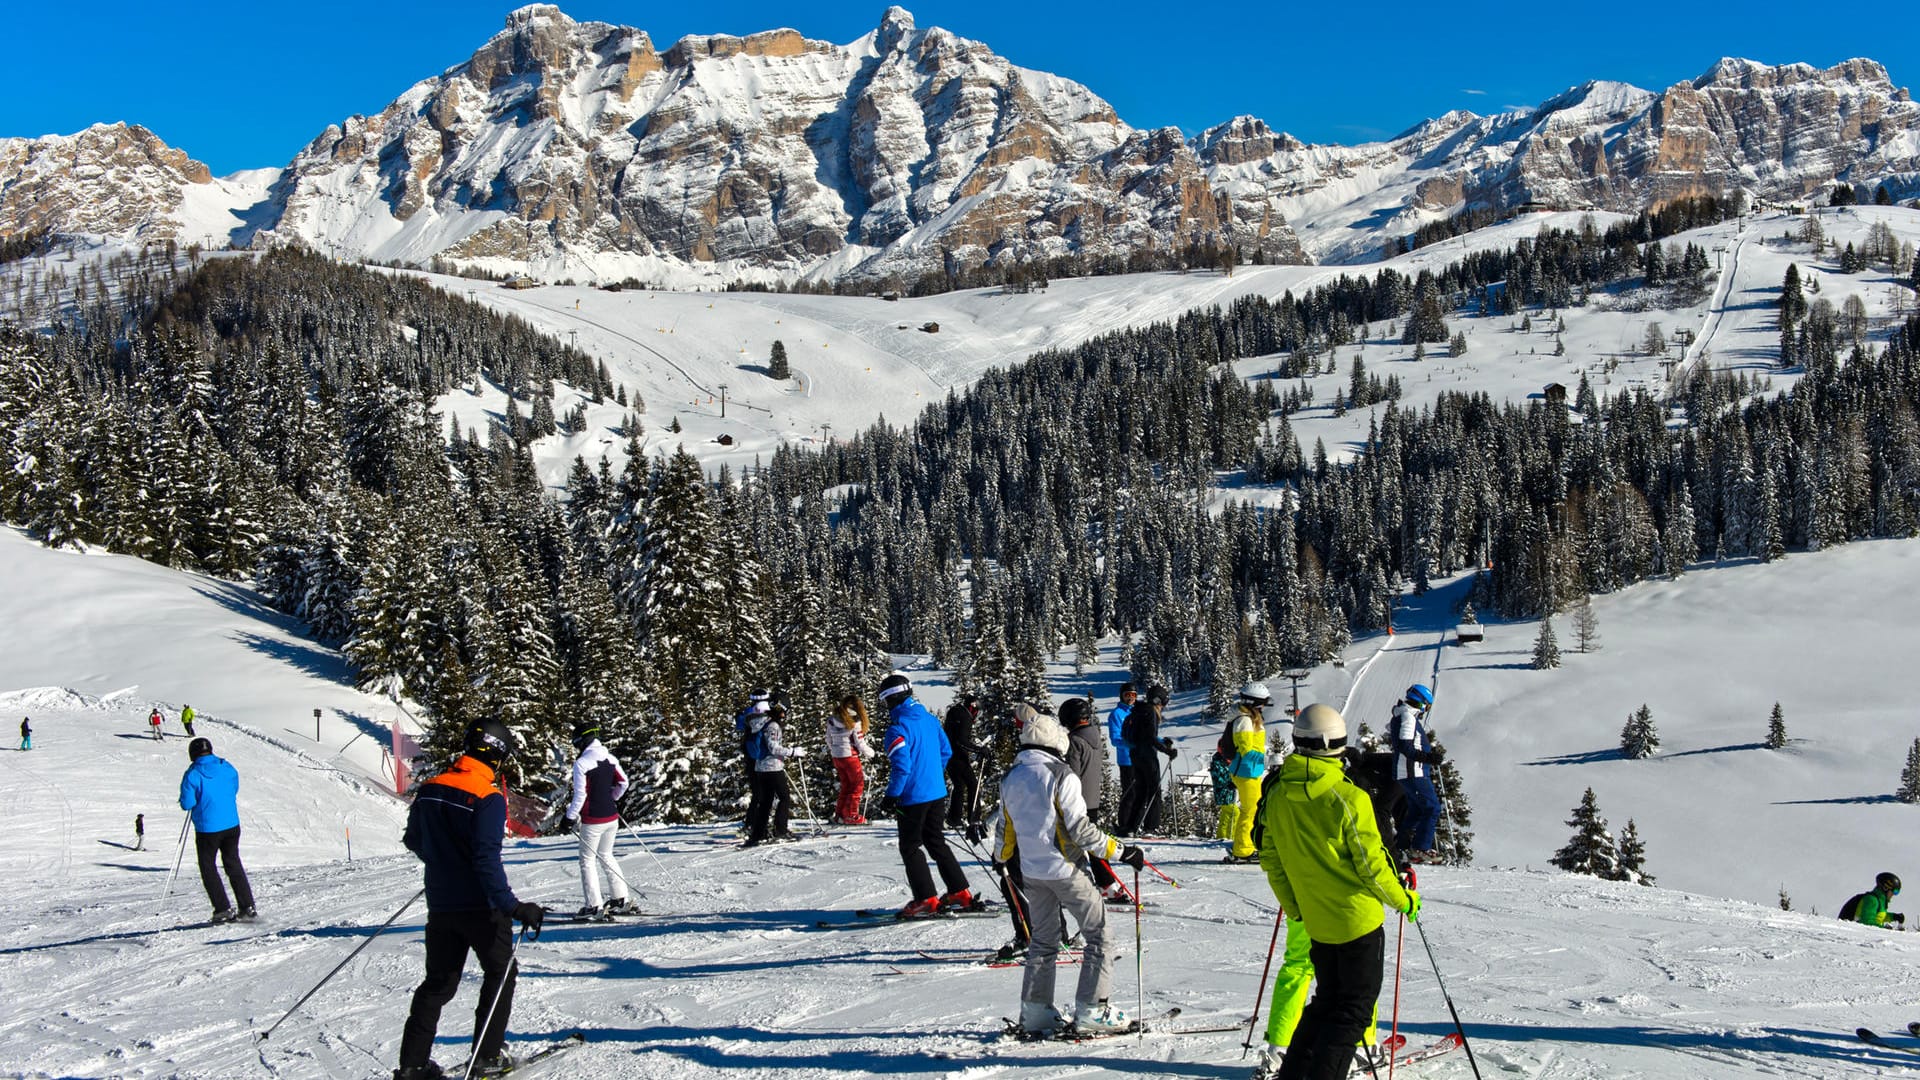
x: 566, y: 144
x: 1779, y: 133
x: 112, y: 179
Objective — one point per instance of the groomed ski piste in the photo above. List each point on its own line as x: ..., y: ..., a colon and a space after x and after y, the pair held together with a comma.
x: 1555, y: 976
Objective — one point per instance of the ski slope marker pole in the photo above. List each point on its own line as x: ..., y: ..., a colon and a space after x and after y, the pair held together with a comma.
x: 336, y: 968
x: 1457, y: 1027
x: 1261, y: 991
x: 178, y: 856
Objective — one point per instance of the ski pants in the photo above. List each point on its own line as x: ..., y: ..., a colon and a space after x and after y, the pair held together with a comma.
x: 449, y: 935
x: 853, y: 784
x: 964, y: 787
x: 26, y: 742
x: 1140, y: 806
x: 1422, y: 814
x: 1290, y: 991
x: 1046, y: 899
x: 596, y: 854
x: 1330, y: 1025
x: 1126, y: 785
x: 920, y: 828
x: 156, y: 731
x: 226, y: 845
x: 772, y: 797
x: 1249, y: 792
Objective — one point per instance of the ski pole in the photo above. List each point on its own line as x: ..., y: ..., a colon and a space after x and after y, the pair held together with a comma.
x: 506, y: 975
x: 806, y: 800
x: 635, y: 834
x: 343, y: 963
x: 1457, y: 1027
x: 1139, y: 961
x: 1393, y: 1031
x: 182, y: 854
x: 1163, y: 877
x: 1261, y: 992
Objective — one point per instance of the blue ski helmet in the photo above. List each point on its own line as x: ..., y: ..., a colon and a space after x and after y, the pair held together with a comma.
x: 1419, y: 696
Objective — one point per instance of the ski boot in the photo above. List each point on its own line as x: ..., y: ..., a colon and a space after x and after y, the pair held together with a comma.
x: 593, y: 913
x: 1011, y: 951
x: 961, y: 900
x: 224, y: 915
x: 920, y: 909
x: 1370, y: 1059
x: 1099, y: 1018
x: 429, y: 1071
x: 1268, y: 1066
x: 498, y: 1063
x: 1039, y: 1020
x: 620, y: 905
x: 247, y: 914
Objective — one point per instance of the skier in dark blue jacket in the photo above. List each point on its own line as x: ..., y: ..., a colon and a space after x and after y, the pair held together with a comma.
x: 455, y: 827
x: 210, y: 794
x: 917, y: 754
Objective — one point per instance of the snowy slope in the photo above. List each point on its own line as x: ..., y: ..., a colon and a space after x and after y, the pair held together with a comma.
x: 1555, y: 977
x: 857, y: 359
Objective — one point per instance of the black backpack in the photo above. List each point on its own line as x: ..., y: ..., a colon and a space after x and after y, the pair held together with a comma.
x: 1850, y: 911
x: 1372, y: 772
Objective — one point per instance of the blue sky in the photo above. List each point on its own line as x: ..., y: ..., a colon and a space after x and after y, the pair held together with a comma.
x: 246, y: 85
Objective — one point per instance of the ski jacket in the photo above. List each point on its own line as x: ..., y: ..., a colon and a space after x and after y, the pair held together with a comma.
x: 25, y: 728
x: 1146, y: 731
x: 959, y: 728
x: 777, y: 751
x: 1220, y: 771
x: 1412, y: 748
x: 598, y: 784
x: 186, y: 716
x: 455, y: 826
x: 153, y: 718
x: 1322, y: 852
x: 1249, y: 747
x: 1872, y: 909
x: 210, y: 790
x: 1042, y: 818
x: 1116, y: 724
x: 917, y: 754
x: 1088, y: 762
x: 843, y: 735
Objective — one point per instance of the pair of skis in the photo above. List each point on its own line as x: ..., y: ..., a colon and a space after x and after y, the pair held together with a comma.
x: 1874, y: 1038
x: 866, y: 917
x: 1012, y: 1029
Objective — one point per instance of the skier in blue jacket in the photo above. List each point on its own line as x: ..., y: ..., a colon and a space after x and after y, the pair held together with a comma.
x: 917, y: 754
x: 209, y: 793
x: 1116, y: 736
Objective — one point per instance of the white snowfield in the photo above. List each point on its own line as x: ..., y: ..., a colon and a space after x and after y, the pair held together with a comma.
x: 1554, y: 977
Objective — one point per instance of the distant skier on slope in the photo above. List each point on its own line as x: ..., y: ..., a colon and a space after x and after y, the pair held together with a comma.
x: 917, y: 754
x: 1413, y: 756
x: 455, y: 826
x: 186, y: 719
x: 847, y: 745
x: 1116, y: 737
x: 26, y: 734
x: 1323, y: 856
x: 1871, y: 907
x: 772, y: 792
x: 598, y: 783
x: 1140, y: 808
x: 139, y: 832
x: 963, y: 784
x: 153, y: 723
x: 209, y: 792
x: 1042, y: 822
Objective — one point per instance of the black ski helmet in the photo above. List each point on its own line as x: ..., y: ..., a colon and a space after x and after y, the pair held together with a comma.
x: 893, y: 689
x: 203, y: 746
x: 1074, y: 712
x: 1157, y: 694
x: 584, y: 732
x: 1888, y: 881
x: 489, y: 742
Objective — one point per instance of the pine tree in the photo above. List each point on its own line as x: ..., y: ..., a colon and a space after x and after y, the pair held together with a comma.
x: 1586, y: 625
x: 1776, y: 728
x: 1452, y: 838
x: 777, y: 366
x: 1909, y: 791
x: 1591, y: 849
x: 1546, y: 650
x: 1632, y: 854
x: 1786, y: 902
x: 1638, y: 739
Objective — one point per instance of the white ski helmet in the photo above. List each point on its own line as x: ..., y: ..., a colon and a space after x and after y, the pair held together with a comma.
x: 1320, y: 731
x: 1255, y: 694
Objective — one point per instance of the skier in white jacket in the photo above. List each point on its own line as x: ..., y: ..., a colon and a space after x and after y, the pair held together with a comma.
x: 598, y: 783
x: 1042, y: 821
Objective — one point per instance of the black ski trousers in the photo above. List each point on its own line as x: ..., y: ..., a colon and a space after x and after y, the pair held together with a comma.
x: 920, y: 828
x: 449, y: 935
x: 964, y: 788
x: 226, y: 845
x: 772, y: 797
x: 1140, y: 805
x: 1347, y: 984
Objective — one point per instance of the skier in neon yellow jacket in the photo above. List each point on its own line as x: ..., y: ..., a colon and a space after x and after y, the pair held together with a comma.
x: 1322, y: 853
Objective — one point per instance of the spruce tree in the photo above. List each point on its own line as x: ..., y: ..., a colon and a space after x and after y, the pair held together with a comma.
x: 1638, y: 739
x: 1632, y: 854
x: 1591, y: 850
x: 1546, y: 651
x: 777, y: 366
x: 1909, y: 791
x: 1586, y: 625
x: 1453, y: 840
x: 1776, y: 728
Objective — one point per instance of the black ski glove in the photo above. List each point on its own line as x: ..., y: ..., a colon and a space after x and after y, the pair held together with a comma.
x: 1134, y: 857
x: 565, y: 827
x: 530, y: 915
x: 1166, y: 747
x: 889, y: 804
x: 1894, y: 916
